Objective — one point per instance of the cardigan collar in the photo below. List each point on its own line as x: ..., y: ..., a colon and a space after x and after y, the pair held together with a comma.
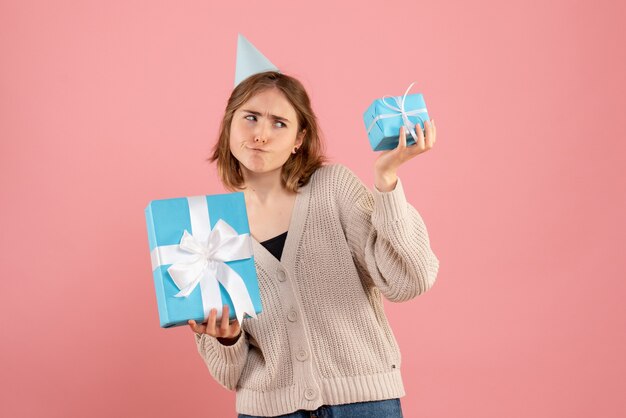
x: 296, y: 228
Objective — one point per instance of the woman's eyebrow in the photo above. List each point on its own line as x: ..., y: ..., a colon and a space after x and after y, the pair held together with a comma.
x: 259, y: 114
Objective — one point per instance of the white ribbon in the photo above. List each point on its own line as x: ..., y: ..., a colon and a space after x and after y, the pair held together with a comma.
x: 400, y: 111
x: 201, y: 258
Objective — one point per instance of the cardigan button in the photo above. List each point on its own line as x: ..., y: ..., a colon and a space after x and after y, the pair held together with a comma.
x: 309, y: 394
x: 281, y: 275
x: 292, y: 315
x: 302, y: 355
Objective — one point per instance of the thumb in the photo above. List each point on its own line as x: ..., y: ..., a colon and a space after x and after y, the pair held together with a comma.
x: 194, y: 327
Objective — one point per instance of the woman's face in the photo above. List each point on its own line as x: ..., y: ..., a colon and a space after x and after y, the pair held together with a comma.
x: 264, y: 132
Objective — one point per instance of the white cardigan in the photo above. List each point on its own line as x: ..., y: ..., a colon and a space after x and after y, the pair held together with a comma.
x: 323, y: 338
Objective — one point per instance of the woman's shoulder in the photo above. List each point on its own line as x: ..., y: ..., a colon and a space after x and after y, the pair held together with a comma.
x: 335, y: 180
x: 334, y: 172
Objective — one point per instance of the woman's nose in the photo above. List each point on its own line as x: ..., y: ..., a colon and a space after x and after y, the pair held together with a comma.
x: 261, y: 133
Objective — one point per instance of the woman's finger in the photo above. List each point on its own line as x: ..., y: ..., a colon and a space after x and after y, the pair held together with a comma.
x: 402, y: 139
x: 236, y: 328
x: 429, y: 135
x: 434, y: 131
x: 225, y: 322
x: 420, y: 136
x: 418, y: 147
x: 210, y: 323
x: 193, y: 326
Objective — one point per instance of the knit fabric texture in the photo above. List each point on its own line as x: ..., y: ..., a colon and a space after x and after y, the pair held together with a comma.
x: 323, y: 337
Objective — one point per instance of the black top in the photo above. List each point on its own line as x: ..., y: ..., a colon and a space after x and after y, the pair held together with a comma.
x: 275, y: 245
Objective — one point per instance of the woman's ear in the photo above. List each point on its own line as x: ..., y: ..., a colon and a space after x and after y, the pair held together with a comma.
x: 300, y: 138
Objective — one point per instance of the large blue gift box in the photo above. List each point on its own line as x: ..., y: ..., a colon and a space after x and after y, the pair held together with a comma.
x: 201, y: 253
x: 384, y: 118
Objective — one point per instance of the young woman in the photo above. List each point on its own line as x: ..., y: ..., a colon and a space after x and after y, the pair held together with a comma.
x: 326, y: 250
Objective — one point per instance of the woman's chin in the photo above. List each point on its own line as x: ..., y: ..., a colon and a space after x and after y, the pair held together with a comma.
x: 257, y: 169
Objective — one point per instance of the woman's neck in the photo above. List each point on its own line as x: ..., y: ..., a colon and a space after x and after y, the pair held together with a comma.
x: 264, y: 188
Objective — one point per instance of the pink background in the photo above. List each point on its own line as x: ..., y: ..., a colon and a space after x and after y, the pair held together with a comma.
x: 107, y: 105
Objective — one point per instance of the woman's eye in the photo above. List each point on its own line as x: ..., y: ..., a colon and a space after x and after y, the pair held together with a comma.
x: 280, y: 124
x: 250, y: 117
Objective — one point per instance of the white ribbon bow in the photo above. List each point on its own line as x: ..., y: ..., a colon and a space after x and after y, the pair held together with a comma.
x: 400, y: 111
x: 201, y: 258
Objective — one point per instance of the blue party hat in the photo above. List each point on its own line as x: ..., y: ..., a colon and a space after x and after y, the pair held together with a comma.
x: 250, y: 61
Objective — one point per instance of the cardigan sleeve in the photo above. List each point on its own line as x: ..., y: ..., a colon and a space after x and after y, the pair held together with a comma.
x: 225, y: 363
x: 387, y: 238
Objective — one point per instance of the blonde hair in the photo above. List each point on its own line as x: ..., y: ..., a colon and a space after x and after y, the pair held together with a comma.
x: 297, y: 170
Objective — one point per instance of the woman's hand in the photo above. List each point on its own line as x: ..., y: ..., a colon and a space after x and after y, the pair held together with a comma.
x: 386, y: 166
x: 227, y: 333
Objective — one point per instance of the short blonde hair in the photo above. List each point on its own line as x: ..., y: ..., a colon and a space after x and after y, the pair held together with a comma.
x: 297, y: 170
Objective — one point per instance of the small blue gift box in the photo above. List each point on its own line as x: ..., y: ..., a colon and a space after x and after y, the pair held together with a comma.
x: 201, y: 253
x: 384, y: 118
